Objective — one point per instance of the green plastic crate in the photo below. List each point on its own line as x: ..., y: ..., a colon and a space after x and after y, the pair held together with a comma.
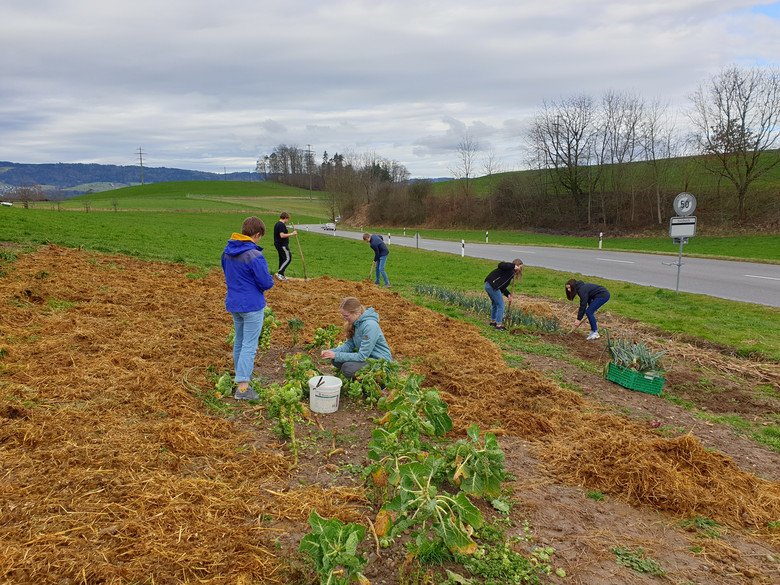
x: 633, y: 380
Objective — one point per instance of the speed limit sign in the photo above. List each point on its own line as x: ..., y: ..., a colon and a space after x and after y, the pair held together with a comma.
x: 684, y: 204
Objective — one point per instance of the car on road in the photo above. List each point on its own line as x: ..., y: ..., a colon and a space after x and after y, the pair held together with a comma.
x: 329, y: 226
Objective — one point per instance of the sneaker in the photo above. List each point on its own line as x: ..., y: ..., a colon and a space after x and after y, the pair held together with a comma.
x: 500, y: 328
x: 248, y: 394
x: 492, y: 323
x: 388, y: 285
x: 281, y: 276
x: 593, y: 335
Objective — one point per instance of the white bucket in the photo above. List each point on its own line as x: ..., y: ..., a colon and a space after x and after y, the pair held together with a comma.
x: 324, y: 393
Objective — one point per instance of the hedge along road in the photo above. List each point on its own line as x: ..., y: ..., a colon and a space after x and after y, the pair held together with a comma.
x: 749, y: 282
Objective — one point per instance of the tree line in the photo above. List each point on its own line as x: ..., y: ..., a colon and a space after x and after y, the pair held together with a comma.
x: 617, y: 160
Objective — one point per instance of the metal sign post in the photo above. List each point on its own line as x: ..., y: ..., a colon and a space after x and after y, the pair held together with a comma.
x: 682, y: 227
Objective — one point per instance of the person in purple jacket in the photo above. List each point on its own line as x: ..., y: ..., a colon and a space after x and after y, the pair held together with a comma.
x: 592, y: 297
x: 247, y: 278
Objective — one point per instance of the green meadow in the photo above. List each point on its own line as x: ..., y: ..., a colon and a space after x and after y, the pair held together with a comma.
x: 196, y: 238
x: 271, y: 198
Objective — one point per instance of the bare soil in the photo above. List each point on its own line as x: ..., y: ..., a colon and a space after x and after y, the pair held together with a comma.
x: 112, y: 469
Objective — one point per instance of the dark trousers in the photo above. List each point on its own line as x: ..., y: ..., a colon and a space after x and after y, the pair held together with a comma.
x: 284, y: 258
x: 349, y: 369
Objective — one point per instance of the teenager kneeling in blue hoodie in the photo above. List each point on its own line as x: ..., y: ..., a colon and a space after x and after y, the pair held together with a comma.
x: 364, y: 339
x: 247, y: 279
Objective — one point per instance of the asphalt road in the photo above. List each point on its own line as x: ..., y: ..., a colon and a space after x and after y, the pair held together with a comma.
x: 749, y: 282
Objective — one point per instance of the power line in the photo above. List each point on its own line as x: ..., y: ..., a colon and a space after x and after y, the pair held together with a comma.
x: 141, y: 161
x: 309, y: 162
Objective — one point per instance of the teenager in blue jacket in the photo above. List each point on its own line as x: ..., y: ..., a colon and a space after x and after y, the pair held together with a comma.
x: 592, y: 297
x: 364, y: 339
x: 380, y: 256
x: 247, y: 278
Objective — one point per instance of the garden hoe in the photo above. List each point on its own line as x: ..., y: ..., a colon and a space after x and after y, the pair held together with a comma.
x: 511, y: 294
x: 305, y: 279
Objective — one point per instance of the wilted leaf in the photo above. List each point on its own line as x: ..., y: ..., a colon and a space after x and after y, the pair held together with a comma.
x: 383, y: 522
x: 379, y: 477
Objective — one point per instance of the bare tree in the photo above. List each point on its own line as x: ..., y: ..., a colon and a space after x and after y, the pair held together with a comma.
x: 621, y: 118
x: 659, y: 146
x: 263, y: 164
x: 563, y: 140
x: 467, y: 152
x: 490, y: 166
x: 27, y: 194
x: 737, y: 118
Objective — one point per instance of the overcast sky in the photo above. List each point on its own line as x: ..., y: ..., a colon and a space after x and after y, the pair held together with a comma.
x: 213, y: 85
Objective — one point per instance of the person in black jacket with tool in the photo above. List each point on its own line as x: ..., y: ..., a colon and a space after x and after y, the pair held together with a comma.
x: 496, y: 285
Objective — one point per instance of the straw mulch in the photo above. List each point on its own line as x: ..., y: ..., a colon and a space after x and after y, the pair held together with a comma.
x: 112, y: 471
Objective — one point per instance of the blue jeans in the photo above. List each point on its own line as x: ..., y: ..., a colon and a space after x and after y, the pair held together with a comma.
x: 248, y: 328
x: 590, y: 312
x: 380, y: 269
x: 496, y: 304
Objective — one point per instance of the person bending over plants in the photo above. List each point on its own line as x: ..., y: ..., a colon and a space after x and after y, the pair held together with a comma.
x: 247, y: 278
x: 496, y: 284
x: 364, y: 339
x: 592, y: 297
x: 380, y: 256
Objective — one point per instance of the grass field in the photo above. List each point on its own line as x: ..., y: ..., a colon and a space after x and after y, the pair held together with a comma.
x: 197, y: 239
x: 268, y: 199
x: 755, y: 248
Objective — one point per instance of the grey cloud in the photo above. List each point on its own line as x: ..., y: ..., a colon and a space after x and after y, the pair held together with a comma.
x: 208, y: 84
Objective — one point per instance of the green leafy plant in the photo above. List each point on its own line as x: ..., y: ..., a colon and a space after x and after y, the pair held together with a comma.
x: 225, y: 384
x: 389, y: 450
x: 429, y: 515
x: 481, y: 305
x: 499, y: 564
x: 331, y: 547
x: 301, y: 367
x: 212, y: 397
x: 636, y: 560
x: 284, y: 405
x: 371, y: 378
x: 413, y: 410
x: 325, y: 337
x: 295, y: 325
x: 476, y: 467
x: 270, y: 322
x: 707, y: 528
x: 635, y: 355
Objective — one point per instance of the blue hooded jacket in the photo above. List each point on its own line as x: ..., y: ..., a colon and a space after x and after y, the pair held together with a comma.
x: 369, y: 341
x: 246, y: 275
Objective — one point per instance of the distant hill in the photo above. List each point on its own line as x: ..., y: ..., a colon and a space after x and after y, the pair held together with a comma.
x: 70, y: 179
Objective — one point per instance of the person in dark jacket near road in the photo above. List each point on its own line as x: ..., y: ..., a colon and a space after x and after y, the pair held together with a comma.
x: 247, y: 278
x: 364, y: 339
x: 282, y: 244
x: 496, y: 285
x: 380, y: 256
x: 592, y: 297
